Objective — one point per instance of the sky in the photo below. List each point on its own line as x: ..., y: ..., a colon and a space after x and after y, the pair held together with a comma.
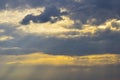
x: 67, y: 37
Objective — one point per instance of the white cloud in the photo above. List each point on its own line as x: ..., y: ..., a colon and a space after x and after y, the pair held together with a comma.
x: 9, y: 48
x: 16, y: 15
x: 1, y: 30
x: 5, y: 38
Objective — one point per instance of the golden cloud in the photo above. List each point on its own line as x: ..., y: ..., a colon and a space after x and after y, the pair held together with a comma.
x: 62, y: 60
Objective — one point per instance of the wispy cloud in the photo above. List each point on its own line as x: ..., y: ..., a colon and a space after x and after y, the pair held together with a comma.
x: 5, y: 38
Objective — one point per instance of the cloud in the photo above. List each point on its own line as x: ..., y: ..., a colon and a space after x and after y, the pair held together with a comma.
x: 14, y: 16
x: 66, y: 36
x: 61, y: 60
x: 49, y: 67
x: 73, y: 40
x: 48, y: 29
x: 69, y: 35
x: 66, y: 39
x: 85, y: 8
x: 51, y: 14
x: 66, y: 29
x: 5, y: 38
x: 94, y: 9
x: 8, y: 4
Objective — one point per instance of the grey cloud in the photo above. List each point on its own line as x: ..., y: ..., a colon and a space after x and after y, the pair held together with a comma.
x: 32, y: 3
x: 100, y: 9
x: 106, y: 41
x: 82, y: 10
x: 9, y: 29
x: 80, y: 46
x: 9, y: 4
x: 46, y: 16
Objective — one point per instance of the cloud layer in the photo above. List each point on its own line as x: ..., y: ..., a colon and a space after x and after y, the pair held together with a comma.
x: 81, y: 27
x: 61, y: 60
x: 59, y: 39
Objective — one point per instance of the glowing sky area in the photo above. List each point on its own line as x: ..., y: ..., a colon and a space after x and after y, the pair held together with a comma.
x: 59, y: 39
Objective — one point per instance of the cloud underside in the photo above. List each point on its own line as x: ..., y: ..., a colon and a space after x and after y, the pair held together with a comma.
x: 60, y: 60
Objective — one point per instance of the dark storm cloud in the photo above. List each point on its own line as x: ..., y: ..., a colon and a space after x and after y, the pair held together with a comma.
x: 51, y: 14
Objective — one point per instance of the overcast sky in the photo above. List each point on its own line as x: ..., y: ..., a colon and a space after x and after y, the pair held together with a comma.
x: 70, y: 27
x: 59, y: 39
